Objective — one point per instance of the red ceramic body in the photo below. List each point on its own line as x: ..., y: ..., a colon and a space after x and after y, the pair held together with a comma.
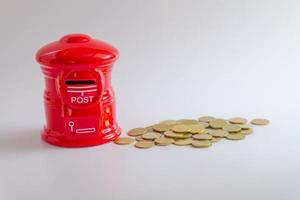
x: 79, y: 100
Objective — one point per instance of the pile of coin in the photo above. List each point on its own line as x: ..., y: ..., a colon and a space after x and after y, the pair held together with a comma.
x: 199, y: 133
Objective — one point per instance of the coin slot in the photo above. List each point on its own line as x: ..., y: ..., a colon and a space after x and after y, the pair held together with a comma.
x: 79, y: 82
x: 81, y: 91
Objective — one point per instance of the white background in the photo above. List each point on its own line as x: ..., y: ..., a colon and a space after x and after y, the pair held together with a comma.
x: 179, y: 59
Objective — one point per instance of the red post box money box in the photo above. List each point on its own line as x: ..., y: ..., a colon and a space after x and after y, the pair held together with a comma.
x: 79, y: 99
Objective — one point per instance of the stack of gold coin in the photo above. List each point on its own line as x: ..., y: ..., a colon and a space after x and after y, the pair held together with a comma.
x: 200, y: 133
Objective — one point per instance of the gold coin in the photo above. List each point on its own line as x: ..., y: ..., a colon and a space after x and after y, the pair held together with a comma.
x: 163, y: 141
x: 137, y: 131
x: 215, y: 139
x: 168, y: 122
x: 149, y: 128
x: 204, y: 124
x: 218, y: 133
x: 124, y: 140
x: 217, y: 123
x: 171, y: 134
x: 201, y: 143
x: 187, y: 121
x: 245, y: 126
x: 196, y: 128
x: 247, y: 132
x: 180, y: 128
x: 205, y: 119
x: 231, y: 128
x: 183, y: 142
x: 260, y: 121
x: 144, y: 144
x: 235, y: 136
x: 139, y: 138
x: 202, y: 136
x: 161, y: 127
x: 151, y: 135
x: 238, y: 120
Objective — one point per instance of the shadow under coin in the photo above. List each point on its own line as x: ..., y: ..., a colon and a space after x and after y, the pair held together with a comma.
x: 22, y: 141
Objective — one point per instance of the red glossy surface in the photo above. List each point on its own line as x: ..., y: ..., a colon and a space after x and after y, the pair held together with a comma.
x: 79, y: 100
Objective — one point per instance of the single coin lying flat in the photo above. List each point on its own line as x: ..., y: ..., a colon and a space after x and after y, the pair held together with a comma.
x: 235, y: 136
x: 204, y: 136
x: 238, y: 120
x: 247, y: 131
x: 245, y: 126
x: 124, y: 140
x: 137, y: 131
x: 218, y: 133
x: 260, y: 121
x: 163, y: 141
x: 144, y: 144
x: 206, y: 119
x: 171, y: 134
x: 151, y: 135
x: 196, y: 128
x: 231, y: 128
x: 139, y: 138
x: 181, y: 128
x: 161, y: 127
x: 183, y: 142
x: 201, y: 143
x: 204, y: 124
x: 215, y: 139
x: 217, y: 123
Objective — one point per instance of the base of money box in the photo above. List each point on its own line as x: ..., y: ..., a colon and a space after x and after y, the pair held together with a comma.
x: 58, y: 139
